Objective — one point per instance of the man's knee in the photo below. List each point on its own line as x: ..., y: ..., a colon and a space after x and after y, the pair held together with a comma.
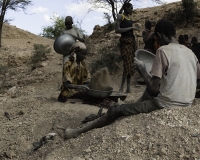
x: 115, y: 111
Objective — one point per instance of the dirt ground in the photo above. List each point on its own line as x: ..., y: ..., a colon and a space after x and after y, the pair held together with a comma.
x: 29, y: 97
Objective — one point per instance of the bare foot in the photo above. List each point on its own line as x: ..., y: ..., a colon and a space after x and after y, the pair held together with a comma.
x: 68, y: 133
x: 71, y: 133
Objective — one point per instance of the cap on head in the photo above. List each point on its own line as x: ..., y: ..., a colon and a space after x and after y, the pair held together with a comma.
x: 68, y: 20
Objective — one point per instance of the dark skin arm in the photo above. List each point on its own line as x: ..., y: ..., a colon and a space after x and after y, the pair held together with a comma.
x: 152, y: 83
x: 74, y: 86
x: 122, y: 30
x: 145, y: 38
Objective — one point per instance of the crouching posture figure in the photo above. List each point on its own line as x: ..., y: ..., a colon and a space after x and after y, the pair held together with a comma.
x: 173, y: 83
x: 75, y: 73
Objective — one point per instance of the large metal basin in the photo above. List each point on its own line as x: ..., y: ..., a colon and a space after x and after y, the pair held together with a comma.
x: 63, y: 43
x: 99, y: 93
x: 147, y: 57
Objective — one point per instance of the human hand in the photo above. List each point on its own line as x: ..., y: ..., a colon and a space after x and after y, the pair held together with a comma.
x: 136, y: 26
x: 139, y: 65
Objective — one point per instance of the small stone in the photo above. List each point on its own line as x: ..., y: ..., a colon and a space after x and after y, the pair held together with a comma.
x: 194, y: 134
x: 150, y: 145
x: 88, y: 150
x: 21, y: 112
x: 77, y: 158
x: 137, y: 136
x: 10, y: 154
x: 162, y: 152
x: 43, y: 64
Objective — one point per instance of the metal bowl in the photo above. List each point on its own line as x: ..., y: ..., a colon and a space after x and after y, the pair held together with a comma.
x: 147, y: 57
x: 63, y: 43
x: 99, y: 93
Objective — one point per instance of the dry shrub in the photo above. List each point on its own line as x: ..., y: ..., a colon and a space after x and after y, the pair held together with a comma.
x: 39, y: 52
x: 3, y: 69
x: 108, y: 59
x: 183, y: 15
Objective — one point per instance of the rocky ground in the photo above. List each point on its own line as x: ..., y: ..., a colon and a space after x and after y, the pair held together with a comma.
x: 29, y: 110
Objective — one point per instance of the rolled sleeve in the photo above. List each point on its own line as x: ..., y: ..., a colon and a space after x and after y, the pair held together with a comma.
x: 160, y: 64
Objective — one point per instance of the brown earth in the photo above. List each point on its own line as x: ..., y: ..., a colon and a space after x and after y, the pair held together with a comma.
x: 30, y: 98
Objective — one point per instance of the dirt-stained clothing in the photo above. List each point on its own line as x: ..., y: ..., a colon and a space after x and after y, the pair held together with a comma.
x: 178, y: 69
x: 75, y: 74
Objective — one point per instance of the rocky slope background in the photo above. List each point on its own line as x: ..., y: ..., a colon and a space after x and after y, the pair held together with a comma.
x: 29, y: 109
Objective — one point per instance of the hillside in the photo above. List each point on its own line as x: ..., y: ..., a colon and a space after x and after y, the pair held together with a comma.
x: 28, y: 93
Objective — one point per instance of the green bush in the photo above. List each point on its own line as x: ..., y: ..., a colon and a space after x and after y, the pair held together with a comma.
x: 39, y: 52
x: 189, y: 9
x: 108, y: 59
x: 58, y: 25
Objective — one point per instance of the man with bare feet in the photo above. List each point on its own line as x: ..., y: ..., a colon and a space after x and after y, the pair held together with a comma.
x: 124, y: 26
x: 173, y: 83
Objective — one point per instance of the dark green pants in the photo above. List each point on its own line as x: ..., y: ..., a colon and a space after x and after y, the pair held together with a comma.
x: 139, y: 107
x: 145, y: 104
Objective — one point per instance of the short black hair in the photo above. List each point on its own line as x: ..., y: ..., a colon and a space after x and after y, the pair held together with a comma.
x: 68, y: 20
x: 127, y: 5
x: 181, y: 39
x: 166, y: 27
x: 148, y: 24
x: 194, y: 40
x: 186, y: 37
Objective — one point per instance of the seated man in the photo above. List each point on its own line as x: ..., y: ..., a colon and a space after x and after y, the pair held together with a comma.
x: 175, y: 71
x: 75, y: 73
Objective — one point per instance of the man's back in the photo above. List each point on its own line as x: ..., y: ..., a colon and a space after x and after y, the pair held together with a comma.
x: 178, y: 84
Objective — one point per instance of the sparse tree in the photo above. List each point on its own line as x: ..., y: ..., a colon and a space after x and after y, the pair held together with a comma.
x: 54, y: 30
x: 14, y: 5
x: 58, y: 24
x: 111, y: 5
